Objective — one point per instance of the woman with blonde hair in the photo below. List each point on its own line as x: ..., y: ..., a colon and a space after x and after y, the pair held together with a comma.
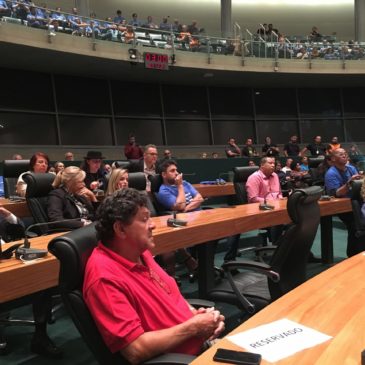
x: 71, y: 199
x: 118, y: 180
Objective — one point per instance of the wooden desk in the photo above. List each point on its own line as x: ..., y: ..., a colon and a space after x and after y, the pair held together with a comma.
x: 20, y: 209
x: 331, y: 302
x: 18, y: 279
x: 209, y: 191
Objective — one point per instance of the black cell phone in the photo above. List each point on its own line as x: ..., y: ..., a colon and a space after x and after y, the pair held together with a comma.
x: 237, y: 357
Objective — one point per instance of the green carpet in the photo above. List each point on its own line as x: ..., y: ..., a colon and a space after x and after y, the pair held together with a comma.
x: 67, y: 337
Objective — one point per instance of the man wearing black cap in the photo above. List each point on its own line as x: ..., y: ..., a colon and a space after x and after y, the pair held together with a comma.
x: 95, y: 176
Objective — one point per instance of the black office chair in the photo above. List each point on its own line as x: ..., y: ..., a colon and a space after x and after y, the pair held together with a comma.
x: 11, y: 171
x: 137, y: 180
x: 122, y: 164
x: 156, y: 181
x: 316, y: 176
x: 73, y: 250
x: 240, y: 176
x: 38, y: 187
x: 356, y: 203
x: 261, y: 283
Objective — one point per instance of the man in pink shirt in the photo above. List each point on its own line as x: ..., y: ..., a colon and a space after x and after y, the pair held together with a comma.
x: 264, y: 185
x: 136, y: 305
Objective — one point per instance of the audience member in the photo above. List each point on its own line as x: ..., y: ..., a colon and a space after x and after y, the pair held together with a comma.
x: 149, y: 23
x: 165, y: 25
x: 334, y: 145
x: 148, y: 164
x: 71, y: 199
x: 132, y: 150
x: 232, y: 150
x: 175, y: 193
x: 248, y: 150
x: 135, y: 22
x: 121, y: 273
x: 354, y: 153
x: 317, y: 148
x: 251, y: 163
x: 292, y: 148
x: 270, y: 149
x: 4, y: 9
x: 215, y: 155
x: 69, y: 156
x: 314, y: 35
x: 304, y: 166
x: 287, y: 168
x: 58, y: 166
x: 264, y: 185
x: 38, y: 163
x: 118, y: 180
x: 176, y: 26
x: 95, y: 175
x: 338, y: 183
x: 297, y: 176
x: 16, y: 156
x: 119, y: 18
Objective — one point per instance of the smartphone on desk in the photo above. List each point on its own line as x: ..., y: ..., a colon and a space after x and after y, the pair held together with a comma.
x: 237, y: 357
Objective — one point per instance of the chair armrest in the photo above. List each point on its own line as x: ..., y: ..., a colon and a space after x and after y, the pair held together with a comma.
x: 171, y: 359
x: 199, y: 303
x: 259, y: 267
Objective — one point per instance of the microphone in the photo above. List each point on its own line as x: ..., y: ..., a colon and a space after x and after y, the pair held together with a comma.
x: 264, y: 205
x: 174, y: 221
x: 27, y: 253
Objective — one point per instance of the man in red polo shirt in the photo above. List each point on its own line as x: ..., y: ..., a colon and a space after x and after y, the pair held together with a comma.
x: 137, y: 307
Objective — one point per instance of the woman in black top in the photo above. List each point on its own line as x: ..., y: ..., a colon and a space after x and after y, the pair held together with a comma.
x: 71, y: 199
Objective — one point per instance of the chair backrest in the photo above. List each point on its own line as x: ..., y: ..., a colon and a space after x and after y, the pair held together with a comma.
x: 11, y: 171
x: 137, y: 180
x: 356, y: 202
x: 291, y: 257
x: 122, y: 164
x: 38, y: 188
x: 315, y: 161
x: 73, y: 250
x: 156, y: 181
x: 240, y: 176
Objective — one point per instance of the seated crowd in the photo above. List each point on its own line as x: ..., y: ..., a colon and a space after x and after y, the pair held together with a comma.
x: 124, y: 229
x: 186, y: 37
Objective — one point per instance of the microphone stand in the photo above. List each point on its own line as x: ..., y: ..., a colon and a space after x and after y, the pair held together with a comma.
x: 264, y: 205
x: 27, y: 253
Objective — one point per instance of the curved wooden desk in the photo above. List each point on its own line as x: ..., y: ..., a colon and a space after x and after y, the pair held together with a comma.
x: 209, y: 191
x: 331, y: 302
x: 18, y: 279
x: 19, y: 208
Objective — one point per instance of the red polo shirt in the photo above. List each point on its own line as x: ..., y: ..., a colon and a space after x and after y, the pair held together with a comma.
x: 127, y: 299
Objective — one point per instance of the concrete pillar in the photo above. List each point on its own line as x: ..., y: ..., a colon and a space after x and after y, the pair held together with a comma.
x: 360, y: 20
x: 226, y: 18
x: 83, y: 7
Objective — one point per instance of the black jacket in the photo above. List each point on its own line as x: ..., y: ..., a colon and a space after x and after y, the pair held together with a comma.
x: 61, y: 206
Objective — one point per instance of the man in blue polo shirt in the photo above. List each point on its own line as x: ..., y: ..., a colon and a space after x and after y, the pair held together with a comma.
x: 176, y: 193
x: 338, y: 180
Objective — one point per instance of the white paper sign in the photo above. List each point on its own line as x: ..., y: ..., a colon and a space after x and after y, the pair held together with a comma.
x: 279, y: 339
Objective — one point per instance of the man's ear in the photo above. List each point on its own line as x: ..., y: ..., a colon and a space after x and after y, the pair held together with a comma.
x: 118, y: 229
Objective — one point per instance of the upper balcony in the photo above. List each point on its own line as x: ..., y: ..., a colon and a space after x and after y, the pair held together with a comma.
x: 99, y: 48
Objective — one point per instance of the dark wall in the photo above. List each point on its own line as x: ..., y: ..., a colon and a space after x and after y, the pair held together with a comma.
x: 44, y: 109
